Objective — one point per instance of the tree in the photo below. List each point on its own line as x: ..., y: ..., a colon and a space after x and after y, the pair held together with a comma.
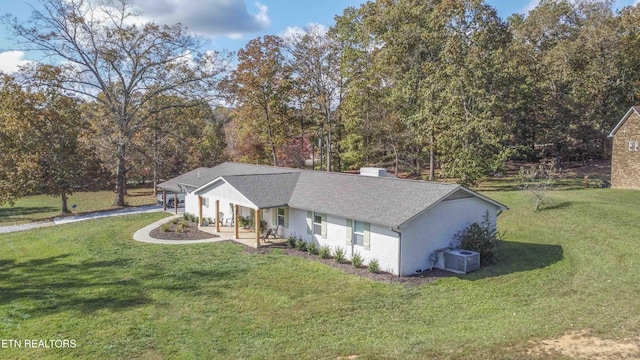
x: 121, y: 65
x: 260, y: 86
x: 315, y: 64
x: 46, y: 129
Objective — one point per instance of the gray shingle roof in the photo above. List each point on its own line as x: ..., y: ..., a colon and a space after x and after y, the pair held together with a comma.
x: 380, y: 200
x: 266, y: 190
x: 201, y: 176
x: 385, y: 201
x: 194, y: 178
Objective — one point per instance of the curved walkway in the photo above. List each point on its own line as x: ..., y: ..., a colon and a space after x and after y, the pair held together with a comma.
x: 142, y: 235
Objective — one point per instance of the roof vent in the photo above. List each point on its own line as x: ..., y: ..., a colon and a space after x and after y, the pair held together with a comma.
x: 374, y: 172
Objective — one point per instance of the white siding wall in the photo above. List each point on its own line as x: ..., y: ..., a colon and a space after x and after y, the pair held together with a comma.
x: 434, y: 229
x: 383, y: 242
x: 191, y: 204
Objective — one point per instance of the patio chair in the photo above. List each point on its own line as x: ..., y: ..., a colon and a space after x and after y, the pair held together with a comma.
x: 273, y: 232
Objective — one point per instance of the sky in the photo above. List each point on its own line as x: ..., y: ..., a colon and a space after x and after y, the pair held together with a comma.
x: 230, y: 24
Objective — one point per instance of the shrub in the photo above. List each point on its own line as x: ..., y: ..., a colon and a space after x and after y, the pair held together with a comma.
x: 374, y: 266
x: 338, y: 255
x: 165, y: 227
x: 325, y: 252
x: 180, y: 228
x: 481, y: 238
x: 301, y: 245
x: 175, y: 221
x: 210, y: 220
x: 291, y: 241
x: 313, y: 248
x: 186, y: 216
x: 356, y: 260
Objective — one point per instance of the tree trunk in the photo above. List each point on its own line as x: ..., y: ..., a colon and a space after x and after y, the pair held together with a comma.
x: 155, y: 162
x: 121, y: 177
x: 65, y: 209
x: 328, y: 139
x: 432, y: 170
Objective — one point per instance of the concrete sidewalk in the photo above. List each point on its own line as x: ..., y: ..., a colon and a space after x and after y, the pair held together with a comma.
x: 142, y: 235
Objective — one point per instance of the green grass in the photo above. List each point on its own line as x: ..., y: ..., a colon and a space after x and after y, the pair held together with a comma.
x: 571, y: 266
x: 42, y: 207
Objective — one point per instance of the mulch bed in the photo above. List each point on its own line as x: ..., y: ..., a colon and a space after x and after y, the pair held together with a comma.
x: 189, y: 232
x: 410, y: 281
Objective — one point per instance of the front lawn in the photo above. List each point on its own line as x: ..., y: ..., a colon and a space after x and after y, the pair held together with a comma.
x: 570, y: 267
x: 43, y: 207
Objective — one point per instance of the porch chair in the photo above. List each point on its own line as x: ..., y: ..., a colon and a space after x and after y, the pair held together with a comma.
x: 270, y: 232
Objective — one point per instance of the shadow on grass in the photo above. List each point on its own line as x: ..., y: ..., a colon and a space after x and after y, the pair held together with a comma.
x: 19, y: 212
x: 55, y: 284
x: 518, y: 257
x: 555, y: 205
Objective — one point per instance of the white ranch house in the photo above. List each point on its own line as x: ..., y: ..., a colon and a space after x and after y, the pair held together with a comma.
x: 404, y: 224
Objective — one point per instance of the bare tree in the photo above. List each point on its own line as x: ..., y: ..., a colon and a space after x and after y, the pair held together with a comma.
x: 121, y: 64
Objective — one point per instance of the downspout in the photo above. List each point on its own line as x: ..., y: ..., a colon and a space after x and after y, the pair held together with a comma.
x: 399, y: 249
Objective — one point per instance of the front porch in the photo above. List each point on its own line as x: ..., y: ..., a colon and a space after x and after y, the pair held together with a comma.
x: 245, y: 236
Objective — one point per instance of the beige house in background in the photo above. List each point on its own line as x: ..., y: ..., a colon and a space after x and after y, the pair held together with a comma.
x: 625, y: 154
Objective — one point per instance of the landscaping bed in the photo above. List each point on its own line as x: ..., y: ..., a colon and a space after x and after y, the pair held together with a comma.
x: 362, y: 270
x: 180, y: 229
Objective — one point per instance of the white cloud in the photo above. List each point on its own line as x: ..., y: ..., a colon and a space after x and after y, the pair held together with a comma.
x: 210, y: 18
x: 11, y: 60
x: 530, y: 6
x: 293, y: 33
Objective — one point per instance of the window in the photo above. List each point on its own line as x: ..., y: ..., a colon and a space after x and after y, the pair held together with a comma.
x: 358, y: 233
x: 636, y: 148
x: 281, y: 217
x: 630, y: 145
x: 317, y: 224
x: 205, y: 202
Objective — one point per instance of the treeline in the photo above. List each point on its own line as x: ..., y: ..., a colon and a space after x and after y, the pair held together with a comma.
x: 405, y: 84
x: 449, y: 84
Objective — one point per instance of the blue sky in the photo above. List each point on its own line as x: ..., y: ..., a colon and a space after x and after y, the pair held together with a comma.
x: 230, y: 24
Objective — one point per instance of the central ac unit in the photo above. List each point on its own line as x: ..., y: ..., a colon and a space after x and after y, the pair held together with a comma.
x: 461, y: 261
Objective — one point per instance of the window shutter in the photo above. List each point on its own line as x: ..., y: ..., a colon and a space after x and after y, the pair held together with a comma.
x: 309, y: 222
x: 367, y: 236
x: 286, y: 217
x: 324, y: 226
x: 274, y: 217
x: 349, y: 231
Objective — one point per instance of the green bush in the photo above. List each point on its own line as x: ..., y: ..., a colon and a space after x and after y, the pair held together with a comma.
x: 175, y: 221
x: 301, y: 245
x: 356, y: 260
x: 186, y: 216
x: 374, y: 266
x: 338, y: 255
x: 180, y: 228
x: 291, y: 241
x: 325, y: 252
x: 481, y: 238
x: 165, y: 227
x: 313, y: 248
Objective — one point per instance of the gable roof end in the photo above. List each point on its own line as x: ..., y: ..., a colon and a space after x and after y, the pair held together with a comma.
x: 633, y: 109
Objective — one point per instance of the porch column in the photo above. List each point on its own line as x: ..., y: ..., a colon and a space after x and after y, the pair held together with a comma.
x: 235, y: 214
x: 175, y: 203
x: 218, y: 216
x: 164, y: 200
x: 257, y: 228
x: 199, y: 210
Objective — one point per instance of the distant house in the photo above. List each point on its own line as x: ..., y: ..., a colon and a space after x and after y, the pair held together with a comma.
x: 625, y: 154
x: 404, y: 224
